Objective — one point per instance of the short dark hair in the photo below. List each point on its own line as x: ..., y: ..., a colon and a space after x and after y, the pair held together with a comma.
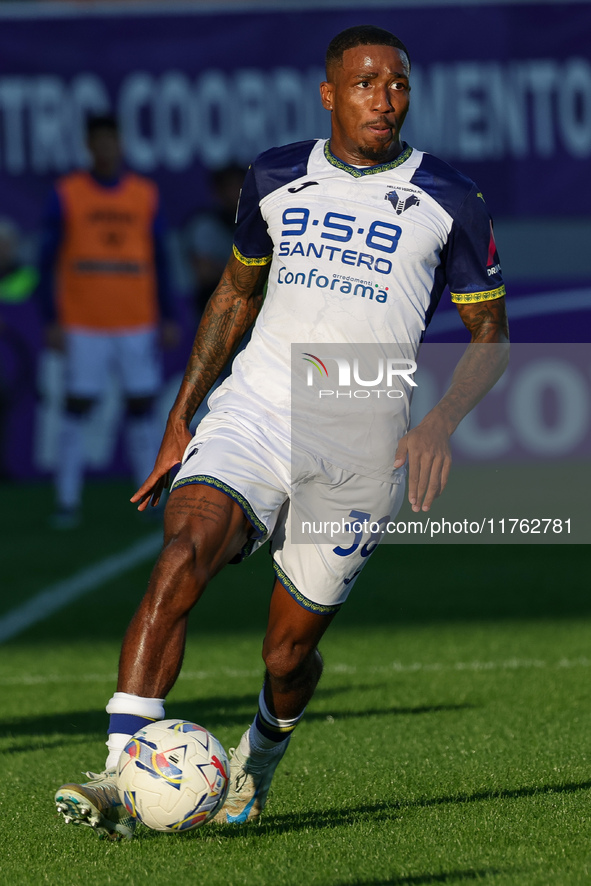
x: 360, y: 35
x: 95, y: 122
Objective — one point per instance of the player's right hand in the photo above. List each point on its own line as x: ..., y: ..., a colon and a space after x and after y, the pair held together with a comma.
x: 429, y: 460
x: 176, y: 439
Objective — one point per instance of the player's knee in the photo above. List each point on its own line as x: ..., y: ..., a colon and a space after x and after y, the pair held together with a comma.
x: 287, y: 660
x: 137, y: 407
x: 79, y: 406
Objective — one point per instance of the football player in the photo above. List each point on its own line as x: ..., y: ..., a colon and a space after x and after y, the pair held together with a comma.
x: 353, y: 239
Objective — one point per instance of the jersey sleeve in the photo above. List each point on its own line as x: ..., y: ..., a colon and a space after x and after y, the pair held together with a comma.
x: 473, y: 269
x: 252, y: 243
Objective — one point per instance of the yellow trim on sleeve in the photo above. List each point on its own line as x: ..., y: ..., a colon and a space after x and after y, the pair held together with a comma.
x: 251, y: 261
x: 465, y: 298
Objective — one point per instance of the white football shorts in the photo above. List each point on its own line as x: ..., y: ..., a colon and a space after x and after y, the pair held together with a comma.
x: 323, y: 521
x: 132, y: 356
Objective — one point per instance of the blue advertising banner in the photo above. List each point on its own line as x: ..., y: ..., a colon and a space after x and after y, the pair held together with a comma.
x: 503, y: 92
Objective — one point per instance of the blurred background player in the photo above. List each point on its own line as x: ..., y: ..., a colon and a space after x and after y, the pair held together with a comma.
x: 208, y: 243
x: 104, y: 293
x: 210, y: 234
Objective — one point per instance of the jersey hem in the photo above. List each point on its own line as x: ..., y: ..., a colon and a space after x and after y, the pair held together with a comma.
x: 462, y: 298
x: 310, y: 605
x: 243, y: 259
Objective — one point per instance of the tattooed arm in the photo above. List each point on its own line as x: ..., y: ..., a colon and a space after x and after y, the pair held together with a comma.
x: 230, y: 312
x: 482, y: 364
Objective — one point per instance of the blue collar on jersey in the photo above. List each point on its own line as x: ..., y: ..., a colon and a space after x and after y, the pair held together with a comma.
x: 356, y: 172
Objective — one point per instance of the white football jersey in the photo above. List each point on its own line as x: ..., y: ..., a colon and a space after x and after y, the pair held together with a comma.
x: 358, y: 255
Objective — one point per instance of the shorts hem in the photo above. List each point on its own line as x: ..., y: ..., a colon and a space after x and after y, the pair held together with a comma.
x: 310, y: 605
x: 246, y: 507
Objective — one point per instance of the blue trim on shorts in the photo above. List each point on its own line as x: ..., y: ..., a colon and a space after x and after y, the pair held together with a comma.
x: 208, y: 480
x: 291, y: 589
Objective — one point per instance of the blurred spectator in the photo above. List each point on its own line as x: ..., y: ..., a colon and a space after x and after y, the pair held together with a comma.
x: 17, y: 280
x: 210, y: 234
x: 209, y: 238
x: 17, y: 283
x: 104, y: 293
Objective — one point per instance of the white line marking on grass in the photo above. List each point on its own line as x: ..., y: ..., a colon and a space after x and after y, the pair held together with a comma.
x: 58, y: 595
x: 394, y: 667
x: 417, y: 666
x: 42, y: 679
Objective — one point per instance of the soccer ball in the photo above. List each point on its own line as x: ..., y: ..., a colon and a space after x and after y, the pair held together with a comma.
x: 173, y: 775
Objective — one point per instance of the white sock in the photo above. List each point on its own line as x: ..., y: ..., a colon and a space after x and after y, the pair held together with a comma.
x: 128, y: 714
x: 115, y: 742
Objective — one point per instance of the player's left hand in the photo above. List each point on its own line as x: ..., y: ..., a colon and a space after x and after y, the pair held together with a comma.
x: 429, y: 460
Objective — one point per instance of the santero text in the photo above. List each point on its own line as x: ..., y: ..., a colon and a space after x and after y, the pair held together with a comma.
x: 349, y: 257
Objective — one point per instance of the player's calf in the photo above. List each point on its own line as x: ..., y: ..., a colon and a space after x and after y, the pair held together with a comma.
x: 253, y: 764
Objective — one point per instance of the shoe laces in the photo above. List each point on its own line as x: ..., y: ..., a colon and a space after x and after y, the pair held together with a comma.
x: 107, y: 776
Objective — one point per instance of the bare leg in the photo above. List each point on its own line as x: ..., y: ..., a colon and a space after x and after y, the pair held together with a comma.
x: 294, y: 665
x: 203, y: 530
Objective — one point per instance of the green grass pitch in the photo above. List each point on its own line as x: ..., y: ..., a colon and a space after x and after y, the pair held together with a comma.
x: 448, y: 742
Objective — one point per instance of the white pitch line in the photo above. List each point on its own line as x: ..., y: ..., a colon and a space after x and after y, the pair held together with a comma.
x: 58, y: 595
